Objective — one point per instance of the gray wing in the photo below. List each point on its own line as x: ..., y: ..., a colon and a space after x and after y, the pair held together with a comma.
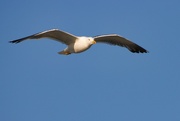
x: 120, y: 41
x: 54, y: 34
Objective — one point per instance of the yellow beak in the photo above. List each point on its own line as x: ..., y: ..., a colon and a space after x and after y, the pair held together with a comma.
x: 93, y: 42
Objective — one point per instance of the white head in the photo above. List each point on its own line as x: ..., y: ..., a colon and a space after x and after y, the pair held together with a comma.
x: 91, y: 40
x: 88, y: 40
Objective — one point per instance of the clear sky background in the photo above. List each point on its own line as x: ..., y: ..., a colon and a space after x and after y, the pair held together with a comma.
x: 105, y: 83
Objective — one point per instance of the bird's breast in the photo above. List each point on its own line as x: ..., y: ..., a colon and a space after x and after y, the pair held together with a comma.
x: 81, y: 46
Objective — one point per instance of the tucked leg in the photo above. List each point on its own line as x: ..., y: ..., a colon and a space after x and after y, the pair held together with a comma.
x: 64, y: 52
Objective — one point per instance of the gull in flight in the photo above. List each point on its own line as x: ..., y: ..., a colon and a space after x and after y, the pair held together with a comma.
x: 77, y: 44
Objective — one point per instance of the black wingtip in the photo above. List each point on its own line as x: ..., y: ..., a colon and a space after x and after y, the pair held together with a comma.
x: 144, y: 51
x: 15, y: 41
x: 138, y: 49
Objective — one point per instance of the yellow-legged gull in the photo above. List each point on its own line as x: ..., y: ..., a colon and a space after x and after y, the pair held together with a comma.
x: 77, y: 44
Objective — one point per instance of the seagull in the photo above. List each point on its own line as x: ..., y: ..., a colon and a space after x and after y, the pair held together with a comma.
x: 78, y: 44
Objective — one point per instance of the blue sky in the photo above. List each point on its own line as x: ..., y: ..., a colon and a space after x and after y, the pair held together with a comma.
x: 105, y: 83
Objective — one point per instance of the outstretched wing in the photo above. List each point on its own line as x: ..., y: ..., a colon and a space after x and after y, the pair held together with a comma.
x: 120, y: 41
x: 54, y: 34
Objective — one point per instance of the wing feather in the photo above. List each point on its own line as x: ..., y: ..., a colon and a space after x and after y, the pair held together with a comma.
x: 120, y: 41
x: 54, y: 34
